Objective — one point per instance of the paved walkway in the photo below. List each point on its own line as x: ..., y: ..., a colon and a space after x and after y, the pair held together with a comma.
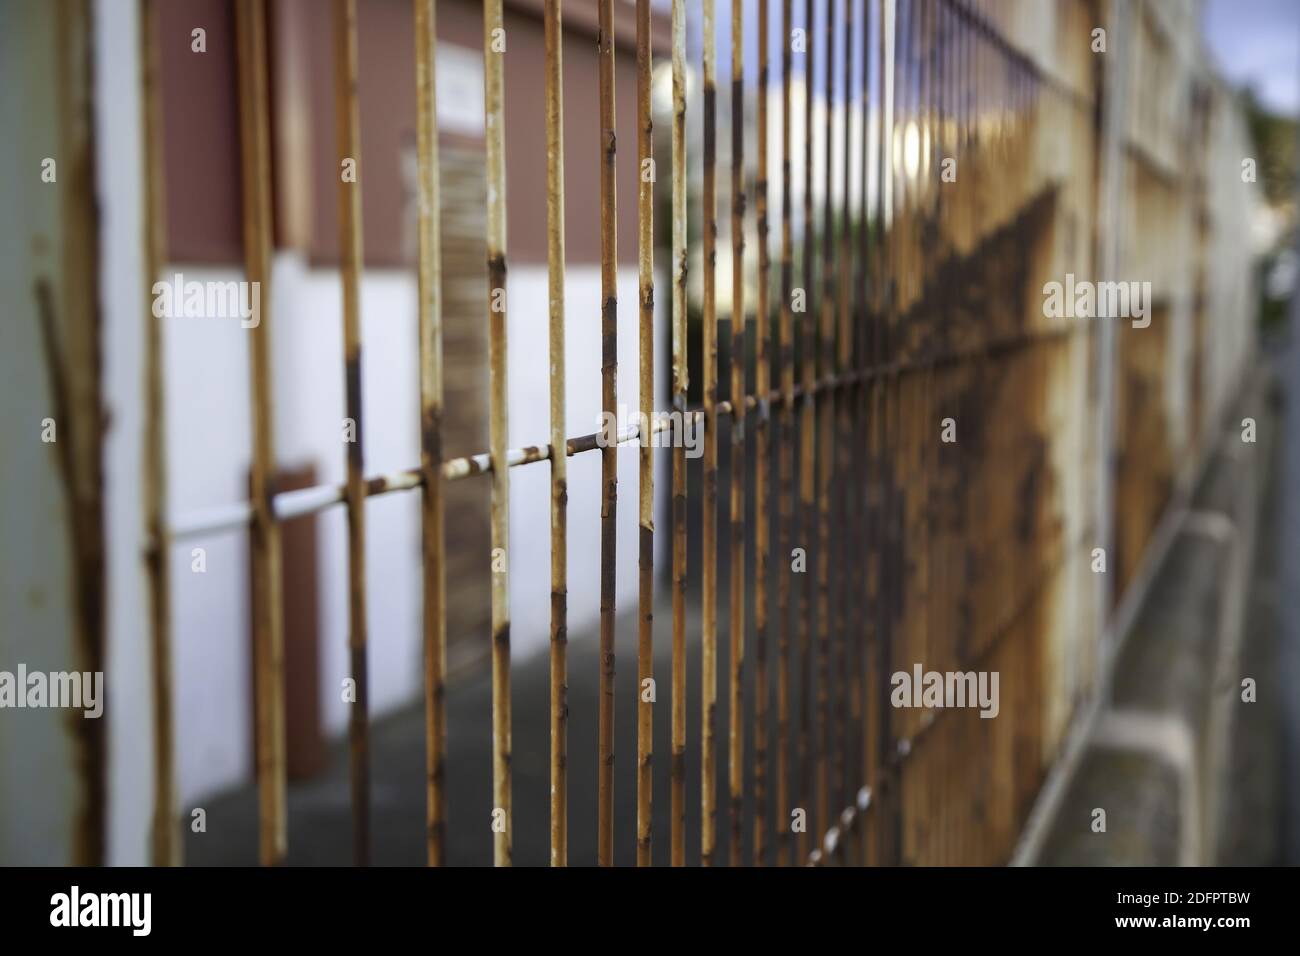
x: 1186, y: 772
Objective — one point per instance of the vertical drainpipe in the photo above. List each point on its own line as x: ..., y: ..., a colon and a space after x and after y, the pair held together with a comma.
x: 1114, y: 115
x: 70, y: 311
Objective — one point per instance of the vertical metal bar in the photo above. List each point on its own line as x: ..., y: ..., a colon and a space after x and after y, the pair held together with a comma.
x: 680, y: 385
x: 832, y: 543
x: 863, y: 447
x: 762, y: 489
x: 736, y: 722
x: 785, y: 466
x: 874, y: 568
x: 889, y: 407
x: 268, y: 625
x: 925, y: 421
x: 962, y: 131
x: 851, y: 442
x: 904, y: 408
x: 825, y: 445
x: 807, y: 447
x: 609, y: 451
x: 494, y: 105
x: 912, y: 603
x: 899, y: 446
x: 843, y: 403
x: 165, y: 839
x: 948, y: 479
x: 709, y: 638
x: 864, y: 793
x: 553, y: 27
x: 645, y: 268
x: 432, y: 540
x: 347, y: 124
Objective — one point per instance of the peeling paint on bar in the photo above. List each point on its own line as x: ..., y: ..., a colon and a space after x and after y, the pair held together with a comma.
x: 807, y: 431
x: 608, y: 455
x: 166, y: 848
x: 738, y: 464
x: 347, y: 116
x: 823, y: 412
x: 785, y: 526
x: 494, y: 118
x: 559, y: 677
x: 762, y: 457
x: 681, y: 375
x: 268, y: 628
x: 430, y: 477
x: 645, y: 269
x: 709, y: 557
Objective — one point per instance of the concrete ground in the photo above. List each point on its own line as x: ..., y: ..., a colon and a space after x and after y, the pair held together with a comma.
x: 1184, y: 769
x: 319, y: 816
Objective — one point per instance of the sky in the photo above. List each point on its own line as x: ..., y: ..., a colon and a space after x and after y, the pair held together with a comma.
x: 1257, y: 43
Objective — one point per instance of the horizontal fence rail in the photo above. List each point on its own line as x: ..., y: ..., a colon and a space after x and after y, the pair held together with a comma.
x: 888, y: 442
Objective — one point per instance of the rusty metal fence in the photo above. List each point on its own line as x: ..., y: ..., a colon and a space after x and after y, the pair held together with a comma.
x: 894, y: 308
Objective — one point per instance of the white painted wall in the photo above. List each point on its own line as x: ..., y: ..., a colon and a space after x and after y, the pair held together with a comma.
x: 124, y: 309
x: 530, y: 544
x: 208, y: 435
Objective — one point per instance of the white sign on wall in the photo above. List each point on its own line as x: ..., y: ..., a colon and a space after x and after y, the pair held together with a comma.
x: 460, y: 89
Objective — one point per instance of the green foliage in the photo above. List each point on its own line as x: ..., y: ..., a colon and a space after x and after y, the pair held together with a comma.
x: 1275, y: 140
